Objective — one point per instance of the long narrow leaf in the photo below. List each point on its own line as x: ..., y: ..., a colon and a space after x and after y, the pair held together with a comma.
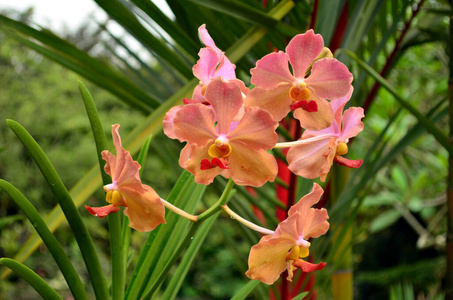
x: 32, y: 278
x: 425, y: 122
x: 67, y: 269
x: 128, y: 20
x: 114, y: 220
x: 69, y: 209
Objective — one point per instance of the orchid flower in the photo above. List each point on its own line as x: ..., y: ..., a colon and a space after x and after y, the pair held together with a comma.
x: 314, y: 153
x: 278, y: 91
x: 217, y: 144
x: 284, y: 248
x: 142, y: 204
x: 212, y: 63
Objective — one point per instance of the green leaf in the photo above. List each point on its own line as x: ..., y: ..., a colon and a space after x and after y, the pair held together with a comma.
x: 246, y: 290
x: 32, y: 278
x: 67, y: 269
x: 399, y: 178
x: 5, y: 221
x: 425, y: 122
x: 300, y: 296
x: 384, y: 220
x: 70, y: 211
x: 114, y: 220
x: 127, y: 19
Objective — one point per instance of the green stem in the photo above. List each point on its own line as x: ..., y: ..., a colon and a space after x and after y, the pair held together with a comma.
x: 114, y: 220
x: 189, y: 236
x: 216, y: 207
x: 32, y: 278
x: 67, y: 269
x: 70, y: 211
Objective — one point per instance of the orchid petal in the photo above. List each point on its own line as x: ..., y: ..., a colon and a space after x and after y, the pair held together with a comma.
x: 267, y: 259
x: 302, y: 51
x: 206, y: 66
x: 311, y: 222
x: 102, y: 211
x: 206, y: 38
x: 276, y: 101
x: 256, y: 130
x: 348, y: 162
x: 313, y: 159
x: 194, y: 123
x: 329, y: 79
x: 122, y: 168
x: 191, y: 158
x: 168, y: 121
x: 253, y: 168
x: 352, y: 123
x: 320, y: 119
x: 271, y: 70
x: 308, y: 267
x: 226, y: 99
x: 144, y: 210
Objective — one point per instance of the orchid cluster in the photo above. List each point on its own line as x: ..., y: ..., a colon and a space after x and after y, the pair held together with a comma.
x: 230, y: 130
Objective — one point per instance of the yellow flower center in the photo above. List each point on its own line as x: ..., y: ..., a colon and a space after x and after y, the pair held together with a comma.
x: 342, y: 149
x: 114, y: 197
x: 220, y: 149
x: 298, y: 93
x: 298, y: 252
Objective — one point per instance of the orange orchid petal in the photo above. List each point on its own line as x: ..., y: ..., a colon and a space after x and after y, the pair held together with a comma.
x: 267, y: 259
x: 191, y: 158
x: 194, y: 123
x: 276, y: 101
x: 317, y: 120
x: 252, y: 168
x: 256, y: 130
x: 145, y: 210
x: 312, y: 160
x: 311, y: 222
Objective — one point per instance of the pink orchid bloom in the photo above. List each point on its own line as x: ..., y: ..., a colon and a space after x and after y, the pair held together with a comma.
x: 212, y: 63
x: 142, y: 204
x: 278, y: 91
x: 285, y: 248
x: 217, y: 144
x: 317, y: 150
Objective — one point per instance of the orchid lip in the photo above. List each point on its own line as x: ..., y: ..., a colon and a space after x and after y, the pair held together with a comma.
x: 110, y: 187
x: 302, y: 242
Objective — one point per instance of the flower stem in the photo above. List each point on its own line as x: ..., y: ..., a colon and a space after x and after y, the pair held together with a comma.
x: 179, y: 211
x: 216, y: 207
x: 249, y: 224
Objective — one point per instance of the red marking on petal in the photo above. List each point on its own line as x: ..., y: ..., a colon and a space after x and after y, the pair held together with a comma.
x: 348, y: 162
x: 216, y: 162
x: 309, y: 106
